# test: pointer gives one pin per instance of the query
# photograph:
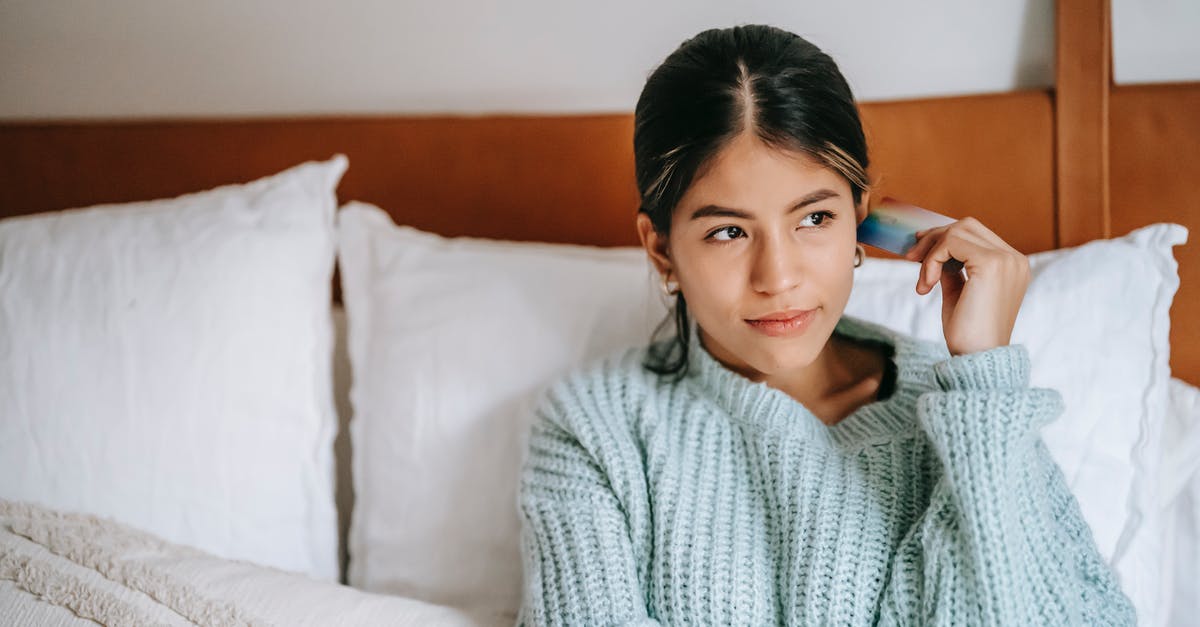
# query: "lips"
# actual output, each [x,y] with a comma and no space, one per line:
[783,323]
[780,316]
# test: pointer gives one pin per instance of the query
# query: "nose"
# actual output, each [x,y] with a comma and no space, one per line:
[775,269]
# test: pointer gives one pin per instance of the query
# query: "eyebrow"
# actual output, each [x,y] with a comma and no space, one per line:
[709,211]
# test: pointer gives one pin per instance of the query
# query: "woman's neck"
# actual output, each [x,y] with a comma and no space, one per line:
[845,375]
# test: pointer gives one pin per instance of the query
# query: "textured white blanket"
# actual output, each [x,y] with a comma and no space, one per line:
[74,569]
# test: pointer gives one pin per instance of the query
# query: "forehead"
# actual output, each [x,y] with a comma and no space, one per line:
[747,168]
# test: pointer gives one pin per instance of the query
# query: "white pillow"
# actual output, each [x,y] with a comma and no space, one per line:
[1181,504]
[1096,322]
[451,342]
[457,337]
[167,363]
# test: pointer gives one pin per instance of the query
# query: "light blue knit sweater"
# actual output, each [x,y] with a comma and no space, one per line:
[718,501]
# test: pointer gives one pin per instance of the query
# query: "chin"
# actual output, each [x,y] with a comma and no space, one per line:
[760,355]
[773,356]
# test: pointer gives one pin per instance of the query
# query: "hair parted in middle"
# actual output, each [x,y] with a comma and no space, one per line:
[717,85]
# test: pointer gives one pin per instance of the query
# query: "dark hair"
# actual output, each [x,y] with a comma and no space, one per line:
[707,92]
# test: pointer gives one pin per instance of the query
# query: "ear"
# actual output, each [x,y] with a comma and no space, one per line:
[654,243]
[860,212]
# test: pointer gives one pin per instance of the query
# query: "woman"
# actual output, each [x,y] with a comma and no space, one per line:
[776,461]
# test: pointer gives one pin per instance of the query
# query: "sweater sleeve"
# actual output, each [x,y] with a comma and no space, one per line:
[577,547]
[1003,541]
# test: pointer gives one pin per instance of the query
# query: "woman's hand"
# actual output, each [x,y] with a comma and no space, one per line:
[979,311]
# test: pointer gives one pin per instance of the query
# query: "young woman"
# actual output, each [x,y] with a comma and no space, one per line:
[777,461]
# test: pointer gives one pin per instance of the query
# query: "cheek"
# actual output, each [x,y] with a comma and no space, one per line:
[711,273]
[713,284]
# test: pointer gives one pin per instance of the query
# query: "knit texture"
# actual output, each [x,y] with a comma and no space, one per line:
[715,500]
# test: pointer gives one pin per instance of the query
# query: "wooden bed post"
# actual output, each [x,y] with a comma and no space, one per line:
[1083,81]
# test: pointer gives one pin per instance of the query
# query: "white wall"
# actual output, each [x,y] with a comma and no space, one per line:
[104,58]
[161,58]
[1156,41]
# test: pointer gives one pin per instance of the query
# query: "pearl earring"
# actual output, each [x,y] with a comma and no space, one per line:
[670,288]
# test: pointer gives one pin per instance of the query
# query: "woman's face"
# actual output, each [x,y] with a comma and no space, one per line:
[760,232]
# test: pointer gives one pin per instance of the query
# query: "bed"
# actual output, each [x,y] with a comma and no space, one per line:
[1047,170]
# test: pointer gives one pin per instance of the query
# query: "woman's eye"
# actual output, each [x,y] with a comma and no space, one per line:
[824,216]
[726,233]
[816,219]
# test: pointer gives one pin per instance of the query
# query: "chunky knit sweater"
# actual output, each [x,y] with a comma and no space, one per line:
[715,500]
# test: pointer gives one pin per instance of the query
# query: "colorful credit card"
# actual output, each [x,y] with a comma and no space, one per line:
[893,224]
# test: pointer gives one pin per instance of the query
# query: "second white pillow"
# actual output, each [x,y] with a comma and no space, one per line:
[451,343]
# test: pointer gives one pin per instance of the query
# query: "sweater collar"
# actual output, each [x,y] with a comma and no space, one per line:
[761,406]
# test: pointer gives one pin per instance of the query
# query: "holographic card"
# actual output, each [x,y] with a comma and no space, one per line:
[892,225]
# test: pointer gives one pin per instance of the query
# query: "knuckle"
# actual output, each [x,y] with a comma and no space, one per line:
[991,258]
[1016,263]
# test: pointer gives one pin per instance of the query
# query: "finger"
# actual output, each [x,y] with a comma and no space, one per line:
[925,239]
[952,285]
[937,234]
[919,251]
[952,248]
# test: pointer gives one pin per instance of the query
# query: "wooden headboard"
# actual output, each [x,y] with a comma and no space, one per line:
[1033,165]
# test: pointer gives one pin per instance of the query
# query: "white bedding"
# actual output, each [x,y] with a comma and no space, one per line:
[1181,502]
[74,569]
[62,569]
